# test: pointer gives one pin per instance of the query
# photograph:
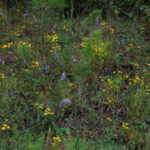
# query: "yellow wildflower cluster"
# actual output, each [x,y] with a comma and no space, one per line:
[148,92]
[135,64]
[112,31]
[83,44]
[125,126]
[48,111]
[138,46]
[70,84]
[103,23]
[131,45]
[116,11]
[5,126]
[109,119]
[101,51]
[26,70]
[117,72]
[56,47]
[35,64]
[8,45]
[53,38]
[136,80]
[113,84]
[22,44]
[148,65]
[2,75]
[56,140]
[39,106]
[18,33]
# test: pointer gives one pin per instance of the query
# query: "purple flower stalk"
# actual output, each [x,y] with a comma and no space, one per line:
[97,24]
[74,59]
[39,69]
[26,13]
[34,18]
[10,52]
[47,69]
[56,56]
[24,60]
[0,61]
[63,77]
[65,101]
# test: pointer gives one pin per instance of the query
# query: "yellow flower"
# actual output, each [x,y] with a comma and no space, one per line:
[148,65]
[51,51]
[131,45]
[2,76]
[109,119]
[103,23]
[83,44]
[56,140]
[109,101]
[48,111]
[112,31]
[26,70]
[125,126]
[64,27]
[70,84]
[5,126]
[116,11]
[103,90]
[35,64]
[4,46]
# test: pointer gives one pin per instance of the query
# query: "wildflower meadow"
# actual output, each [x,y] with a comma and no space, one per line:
[74,75]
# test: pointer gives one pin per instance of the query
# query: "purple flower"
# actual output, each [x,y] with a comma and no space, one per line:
[63,77]
[26,13]
[97,24]
[47,69]
[39,69]
[24,61]
[10,52]
[35,20]
[65,101]
[74,59]
[56,56]
[0,61]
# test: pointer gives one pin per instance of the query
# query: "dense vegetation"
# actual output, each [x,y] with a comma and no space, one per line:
[74,75]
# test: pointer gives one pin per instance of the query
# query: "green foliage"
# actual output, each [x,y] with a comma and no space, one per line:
[95,50]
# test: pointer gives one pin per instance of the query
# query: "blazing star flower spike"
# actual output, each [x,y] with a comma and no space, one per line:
[24,60]
[65,101]
[35,19]
[39,69]
[47,69]
[0,61]
[63,76]
[26,13]
[10,52]
[56,56]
